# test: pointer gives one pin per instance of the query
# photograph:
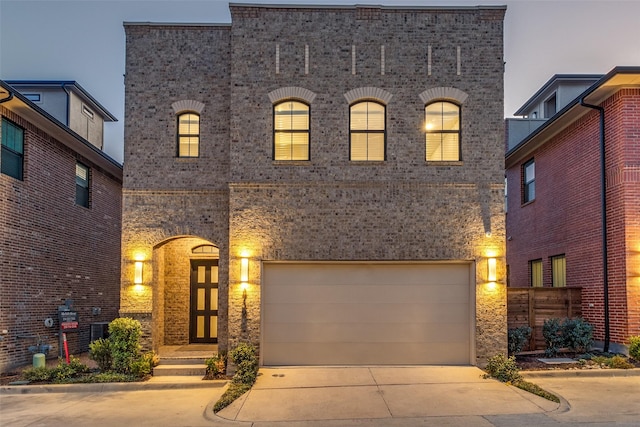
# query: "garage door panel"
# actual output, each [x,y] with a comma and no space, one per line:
[352,313]
[370,354]
[364,293]
[371,313]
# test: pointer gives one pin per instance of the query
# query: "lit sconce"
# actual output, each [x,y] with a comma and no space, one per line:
[244,270]
[491,270]
[137,276]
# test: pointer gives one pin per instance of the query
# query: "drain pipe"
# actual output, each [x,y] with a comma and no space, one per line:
[603,204]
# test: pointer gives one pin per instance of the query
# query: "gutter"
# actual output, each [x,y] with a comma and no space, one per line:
[603,206]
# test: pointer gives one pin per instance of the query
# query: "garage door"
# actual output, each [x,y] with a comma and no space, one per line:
[366,314]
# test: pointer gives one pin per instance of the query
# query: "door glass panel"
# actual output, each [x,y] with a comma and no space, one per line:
[200,327]
[201,299]
[201,272]
[213,329]
[214,274]
[214,299]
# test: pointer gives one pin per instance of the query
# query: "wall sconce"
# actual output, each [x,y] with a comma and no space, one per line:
[491,270]
[244,269]
[137,275]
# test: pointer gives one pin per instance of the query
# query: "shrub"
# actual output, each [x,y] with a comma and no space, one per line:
[552,333]
[518,337]
[38,374]
[62,373]
[245,357]
[124,337]
[216,366]
[634,347]
[577,334]
[613,362]
[503,369]
[100,351]
[143,366]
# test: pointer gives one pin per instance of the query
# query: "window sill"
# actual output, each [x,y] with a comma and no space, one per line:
[527,203]
[444,163]
[367,162]
[292,162]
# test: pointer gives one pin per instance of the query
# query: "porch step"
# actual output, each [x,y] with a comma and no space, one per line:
[181,366]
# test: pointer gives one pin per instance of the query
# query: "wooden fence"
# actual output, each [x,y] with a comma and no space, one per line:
[532,306]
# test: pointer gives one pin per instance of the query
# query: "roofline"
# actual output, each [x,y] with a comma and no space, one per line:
[174,24]
[363,6]
[110,165]
[523,148]
[64,83]
[549,83]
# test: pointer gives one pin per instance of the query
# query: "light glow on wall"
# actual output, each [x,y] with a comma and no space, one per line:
[491,269]
[138,270]
[244,270]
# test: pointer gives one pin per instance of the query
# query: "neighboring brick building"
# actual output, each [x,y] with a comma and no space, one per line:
[60,220]
[326,182]
[554,215]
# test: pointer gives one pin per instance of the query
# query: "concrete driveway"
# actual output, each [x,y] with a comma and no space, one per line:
[380,393]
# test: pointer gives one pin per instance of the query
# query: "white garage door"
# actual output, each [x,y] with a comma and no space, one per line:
[366,314]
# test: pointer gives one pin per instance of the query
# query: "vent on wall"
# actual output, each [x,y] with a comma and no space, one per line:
[99,330]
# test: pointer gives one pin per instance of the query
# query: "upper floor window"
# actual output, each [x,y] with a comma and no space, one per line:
[559,271]
[12,155]
[188,135]
[367,131]
[529,181]
[442,125]
[82,185]
[291,131]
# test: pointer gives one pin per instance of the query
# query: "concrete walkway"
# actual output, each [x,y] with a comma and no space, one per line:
[350,393]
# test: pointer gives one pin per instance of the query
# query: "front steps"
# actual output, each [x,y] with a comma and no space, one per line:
[181,366]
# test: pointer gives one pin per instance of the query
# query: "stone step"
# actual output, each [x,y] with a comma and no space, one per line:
[182,360]
[180,370]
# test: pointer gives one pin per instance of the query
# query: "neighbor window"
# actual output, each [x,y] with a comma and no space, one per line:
[442,126]
[82,185]
[550,107]
[188,135]
[12,156]
[33,97]
[559,271]
[535,267]
[291,131]
[529,181]
[367,131]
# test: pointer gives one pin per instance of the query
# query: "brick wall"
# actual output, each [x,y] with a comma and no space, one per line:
[52,250]
[565,217]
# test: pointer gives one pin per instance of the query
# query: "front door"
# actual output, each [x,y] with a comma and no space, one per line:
[203,325]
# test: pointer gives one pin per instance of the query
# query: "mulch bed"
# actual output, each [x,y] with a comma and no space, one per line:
[530,362]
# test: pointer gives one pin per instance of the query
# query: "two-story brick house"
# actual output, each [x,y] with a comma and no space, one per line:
[573,216]
[323,181]
[60,227]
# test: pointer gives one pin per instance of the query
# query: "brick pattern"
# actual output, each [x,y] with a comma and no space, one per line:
[52,250]
[328,208]
[565,217]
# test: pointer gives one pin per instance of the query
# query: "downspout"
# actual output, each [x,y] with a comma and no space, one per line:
[64,88]
[603,205]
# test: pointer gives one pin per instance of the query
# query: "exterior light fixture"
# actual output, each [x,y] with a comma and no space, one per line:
[137,275]
[491,269]
[244,270]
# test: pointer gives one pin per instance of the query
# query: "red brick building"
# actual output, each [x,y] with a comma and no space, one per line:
[60,225]
[557,234]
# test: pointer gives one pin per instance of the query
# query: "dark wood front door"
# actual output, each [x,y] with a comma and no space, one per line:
[203,326]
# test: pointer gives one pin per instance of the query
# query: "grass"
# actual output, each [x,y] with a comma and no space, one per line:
[536,389]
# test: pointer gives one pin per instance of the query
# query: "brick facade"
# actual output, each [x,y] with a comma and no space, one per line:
[565,217]
[51,249]
[328,208]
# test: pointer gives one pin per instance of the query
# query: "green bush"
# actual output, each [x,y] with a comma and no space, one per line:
[124,337]
[143,366]
[62,373]
[503,369]
[552,333]
[38,374]
[613,362]
[577,334]
[100,351]
[216,366]
[518,337]
[245,357]
[634,347]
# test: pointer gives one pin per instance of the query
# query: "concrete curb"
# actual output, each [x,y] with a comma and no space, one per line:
[110,387]
[593,373]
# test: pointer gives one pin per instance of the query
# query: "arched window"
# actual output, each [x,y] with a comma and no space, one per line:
[188,135]
[367,131]
[291,131]
[205,250]
[442,125]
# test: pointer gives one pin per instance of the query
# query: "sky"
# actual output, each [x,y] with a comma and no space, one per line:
[84,40]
